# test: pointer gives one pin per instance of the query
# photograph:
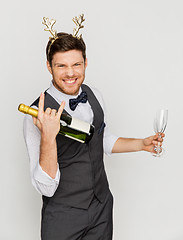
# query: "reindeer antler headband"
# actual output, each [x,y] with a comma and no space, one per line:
[78,21]
[49,27]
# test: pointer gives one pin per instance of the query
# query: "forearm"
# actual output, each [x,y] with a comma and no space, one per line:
[48,156]
[123,145]
[48,122]
[42,182]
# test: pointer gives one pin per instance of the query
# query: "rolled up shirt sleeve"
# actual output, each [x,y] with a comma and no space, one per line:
[109,141]
[43,183]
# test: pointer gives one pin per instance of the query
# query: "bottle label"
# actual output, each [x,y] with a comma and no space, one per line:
[80,125]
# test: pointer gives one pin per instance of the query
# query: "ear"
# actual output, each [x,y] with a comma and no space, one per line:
[49,67]
[86,62]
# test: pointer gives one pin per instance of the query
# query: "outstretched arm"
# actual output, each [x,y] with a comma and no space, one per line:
[148,144]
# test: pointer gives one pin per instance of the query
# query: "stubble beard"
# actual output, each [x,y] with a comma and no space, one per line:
[67,90]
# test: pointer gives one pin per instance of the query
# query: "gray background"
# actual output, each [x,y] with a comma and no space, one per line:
[135,55]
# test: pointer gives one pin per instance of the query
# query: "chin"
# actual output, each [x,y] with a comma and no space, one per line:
[73,91]
[70,90]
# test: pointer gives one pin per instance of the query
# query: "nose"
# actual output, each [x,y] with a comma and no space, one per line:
[70,72]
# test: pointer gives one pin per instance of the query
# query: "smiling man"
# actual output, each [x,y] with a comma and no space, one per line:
[77,202]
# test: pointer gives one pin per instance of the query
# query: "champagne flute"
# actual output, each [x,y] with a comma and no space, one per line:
[160,123]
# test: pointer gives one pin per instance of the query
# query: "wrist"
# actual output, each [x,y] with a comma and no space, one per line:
[47,139]
[141,145]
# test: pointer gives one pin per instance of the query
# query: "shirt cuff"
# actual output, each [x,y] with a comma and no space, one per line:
[42,177]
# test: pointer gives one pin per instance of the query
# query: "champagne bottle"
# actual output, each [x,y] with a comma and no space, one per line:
[69,126]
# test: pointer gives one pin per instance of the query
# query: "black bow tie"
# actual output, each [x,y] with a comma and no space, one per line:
[74,101]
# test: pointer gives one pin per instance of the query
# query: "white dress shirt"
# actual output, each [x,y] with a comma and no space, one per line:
[43,183]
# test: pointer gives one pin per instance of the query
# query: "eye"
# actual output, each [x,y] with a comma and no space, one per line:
[77,64]
[61,66]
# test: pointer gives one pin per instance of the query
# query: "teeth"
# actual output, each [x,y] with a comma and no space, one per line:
[70,81]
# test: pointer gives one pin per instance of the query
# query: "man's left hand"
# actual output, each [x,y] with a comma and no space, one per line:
[151,142]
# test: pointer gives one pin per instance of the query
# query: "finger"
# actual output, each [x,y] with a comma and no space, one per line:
[157,143]
[160,139]
[36,122]
[53,112]
[159,135]
[48,111]
[60,110]
[162,135]
[41,104]
[153,149]
[156,136]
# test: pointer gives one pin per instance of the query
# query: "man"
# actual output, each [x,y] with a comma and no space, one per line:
[77,202]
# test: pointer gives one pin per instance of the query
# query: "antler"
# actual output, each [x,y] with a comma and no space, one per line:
[49,24]
[78,21]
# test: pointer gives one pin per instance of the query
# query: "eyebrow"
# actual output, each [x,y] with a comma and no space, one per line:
[57,64]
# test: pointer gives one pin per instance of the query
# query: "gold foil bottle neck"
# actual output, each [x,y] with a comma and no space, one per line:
[28,110]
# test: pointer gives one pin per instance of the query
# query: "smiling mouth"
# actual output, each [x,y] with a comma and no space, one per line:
[70,81]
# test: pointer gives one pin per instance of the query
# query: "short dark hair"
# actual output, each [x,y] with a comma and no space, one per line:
[63,43]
